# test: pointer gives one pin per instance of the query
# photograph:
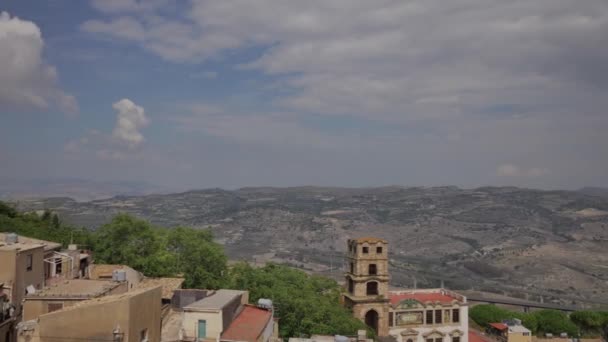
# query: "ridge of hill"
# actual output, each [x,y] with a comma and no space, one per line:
[499,239]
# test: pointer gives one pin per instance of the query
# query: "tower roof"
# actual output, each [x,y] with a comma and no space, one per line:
[369,240]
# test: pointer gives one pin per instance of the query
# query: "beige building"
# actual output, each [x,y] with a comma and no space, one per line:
[116,272]
[7,318]
[511,331]
[68,293]
[430,315]
[134,316]
[367,282]
[222,315]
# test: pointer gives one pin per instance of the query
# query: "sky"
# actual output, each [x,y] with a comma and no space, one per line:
[232,93]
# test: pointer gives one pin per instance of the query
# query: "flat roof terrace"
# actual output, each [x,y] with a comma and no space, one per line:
[75,288]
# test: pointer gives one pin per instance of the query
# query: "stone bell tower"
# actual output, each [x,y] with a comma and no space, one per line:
[367,282]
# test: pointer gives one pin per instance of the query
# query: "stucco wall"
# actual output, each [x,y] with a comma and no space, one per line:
[15,275]
[190,323]
[144,313]
[519,337]
[360,310]
[444,328]
[34,307]
[131,314]
[7,271]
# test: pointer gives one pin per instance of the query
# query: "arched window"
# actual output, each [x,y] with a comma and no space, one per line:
[372,269]
[372,288]
[351,286]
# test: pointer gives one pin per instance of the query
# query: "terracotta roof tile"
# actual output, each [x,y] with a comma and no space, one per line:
[476,337]
[499,326]
[248,325]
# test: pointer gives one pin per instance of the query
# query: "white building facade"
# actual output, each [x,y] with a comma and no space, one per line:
[429,315]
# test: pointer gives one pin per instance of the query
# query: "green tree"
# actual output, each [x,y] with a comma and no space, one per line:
[7,210]
[590,323]
[134,242]
[198,257]
[487,313]
[555,322]
[305,304]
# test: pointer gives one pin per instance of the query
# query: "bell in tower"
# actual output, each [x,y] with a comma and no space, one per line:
[367,282]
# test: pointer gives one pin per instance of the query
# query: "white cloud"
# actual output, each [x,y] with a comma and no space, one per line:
[130,119]
[27,82]
[508,170]
[511,170]
[261,128]
[123,143]
[394,60]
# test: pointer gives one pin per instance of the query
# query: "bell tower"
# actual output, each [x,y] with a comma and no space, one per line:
[367,282]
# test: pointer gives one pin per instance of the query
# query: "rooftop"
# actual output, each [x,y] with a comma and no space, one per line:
[370,240]
[518,329]
[248,325]
[427,295]
[216,301]
[102,300]
[104,270]
[76,288]
[169,285]
[499,326]
[475,336]
[26,243]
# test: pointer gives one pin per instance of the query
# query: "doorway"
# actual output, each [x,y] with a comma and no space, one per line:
[371,319]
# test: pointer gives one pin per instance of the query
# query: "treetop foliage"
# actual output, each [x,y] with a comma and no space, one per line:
[580,323]
[305,304]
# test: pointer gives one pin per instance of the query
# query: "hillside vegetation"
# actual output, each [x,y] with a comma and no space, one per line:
[525,243]
[580,323]
[305,304]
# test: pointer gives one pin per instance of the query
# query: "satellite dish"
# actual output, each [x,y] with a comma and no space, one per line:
[31,289]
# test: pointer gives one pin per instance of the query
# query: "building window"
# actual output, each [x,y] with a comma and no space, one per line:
[390,319]
[410,340]
[456,315]
[29,261]
[379,250]
[429,317]
[352,268]
[143,335]
[372,288]
[429,340]
[526,334]
[438,319]
[351,285]
[439,339]
[365,250]
[372,269]
[54,307]
[455,338]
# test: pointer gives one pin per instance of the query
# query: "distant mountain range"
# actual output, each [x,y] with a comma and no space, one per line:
[77,189]
[594,191]
[500,239]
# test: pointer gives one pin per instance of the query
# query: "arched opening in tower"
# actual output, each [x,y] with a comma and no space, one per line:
[372,288]
[371,319]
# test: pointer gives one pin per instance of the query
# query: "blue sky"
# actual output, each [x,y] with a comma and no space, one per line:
[195,94]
